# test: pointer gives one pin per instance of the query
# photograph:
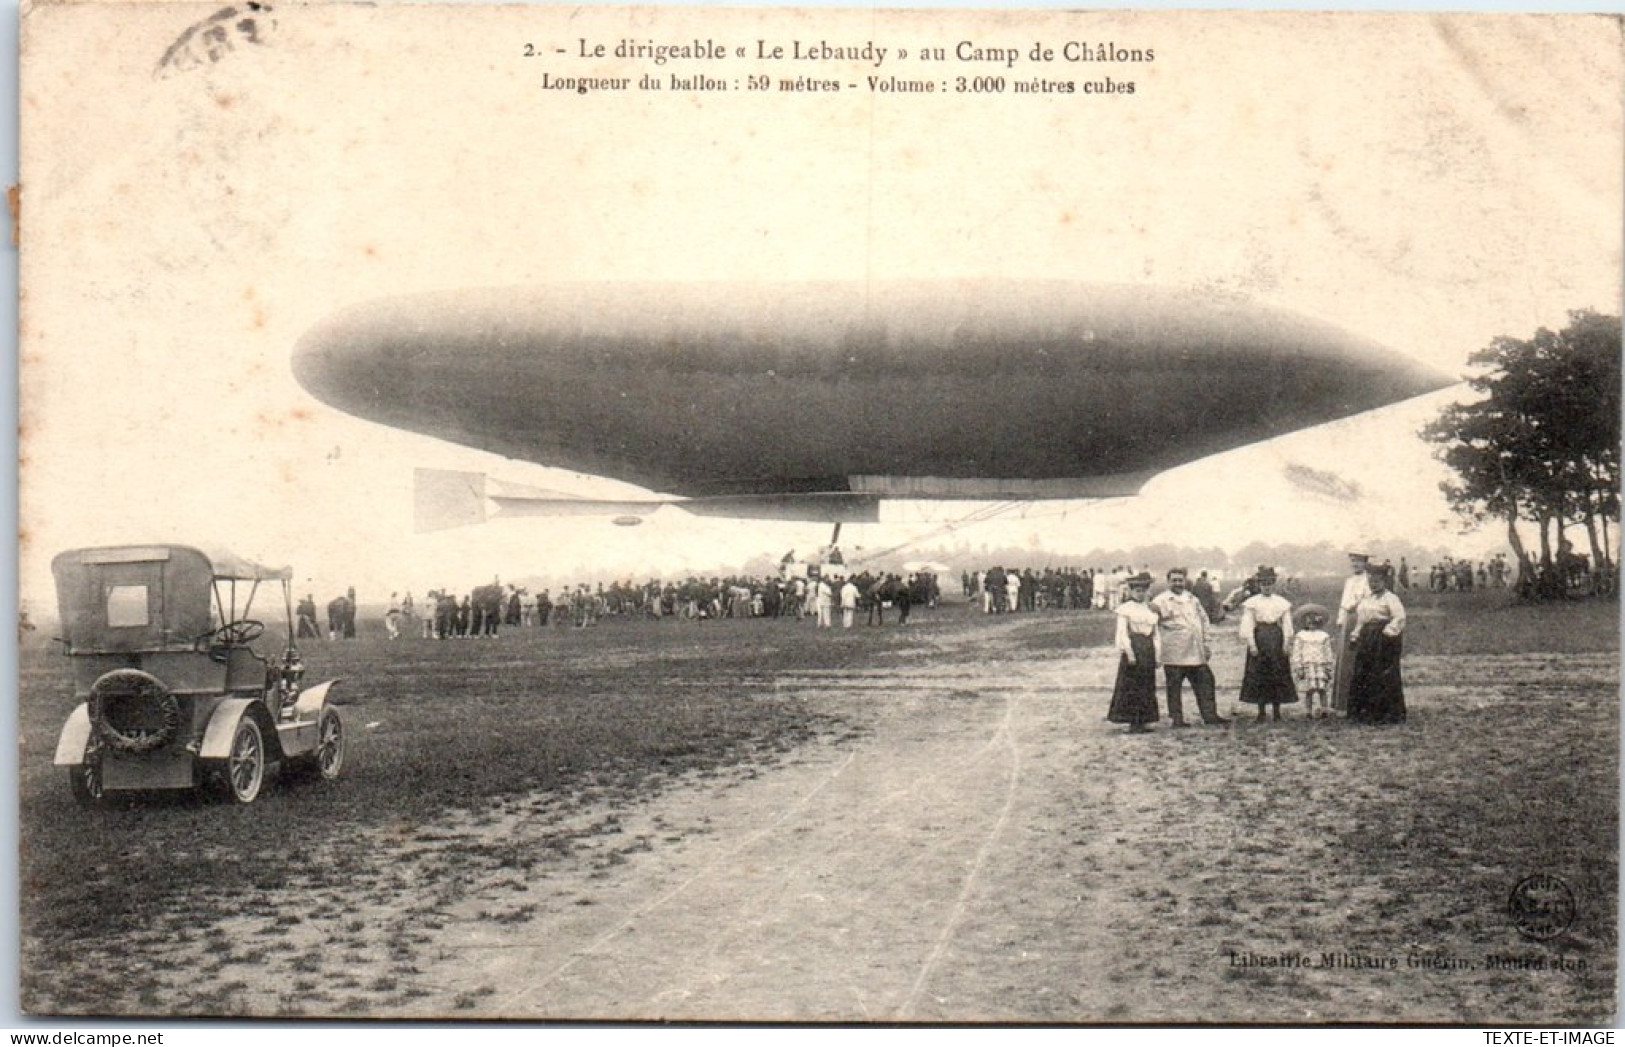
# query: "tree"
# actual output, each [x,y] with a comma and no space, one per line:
[1542,447]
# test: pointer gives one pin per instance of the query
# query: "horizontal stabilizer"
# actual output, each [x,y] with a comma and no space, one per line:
[548,503]
[833,507]
[817,507]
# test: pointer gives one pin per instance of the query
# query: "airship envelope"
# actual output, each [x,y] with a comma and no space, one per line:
[753,395]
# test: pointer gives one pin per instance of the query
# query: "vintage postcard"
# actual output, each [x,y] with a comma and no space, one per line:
[640,514]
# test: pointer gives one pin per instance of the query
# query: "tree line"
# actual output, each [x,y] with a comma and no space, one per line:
[1540,450]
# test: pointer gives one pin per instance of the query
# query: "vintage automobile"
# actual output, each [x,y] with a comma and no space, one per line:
[172,694]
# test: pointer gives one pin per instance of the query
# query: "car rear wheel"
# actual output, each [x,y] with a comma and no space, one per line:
[242,772]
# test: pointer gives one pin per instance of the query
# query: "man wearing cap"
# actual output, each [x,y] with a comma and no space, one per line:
[1355,588]
[1182,626]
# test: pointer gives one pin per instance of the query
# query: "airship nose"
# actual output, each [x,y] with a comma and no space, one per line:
[319,363]
[349,363]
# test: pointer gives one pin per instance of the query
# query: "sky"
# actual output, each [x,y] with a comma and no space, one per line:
[1429,183]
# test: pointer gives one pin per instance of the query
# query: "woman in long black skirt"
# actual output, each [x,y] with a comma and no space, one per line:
[1266,629]
[1134,698]
[1376,689]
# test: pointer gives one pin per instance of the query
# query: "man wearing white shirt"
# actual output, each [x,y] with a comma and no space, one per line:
[849,603]
[1355,588]
[824,602]
[1182,627]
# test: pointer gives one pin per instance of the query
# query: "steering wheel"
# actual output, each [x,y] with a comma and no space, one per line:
[233,634]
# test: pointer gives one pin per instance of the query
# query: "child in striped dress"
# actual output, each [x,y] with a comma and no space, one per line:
[1312,659]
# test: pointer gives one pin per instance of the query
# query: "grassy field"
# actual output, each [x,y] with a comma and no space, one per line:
[1510,764]
[582,716]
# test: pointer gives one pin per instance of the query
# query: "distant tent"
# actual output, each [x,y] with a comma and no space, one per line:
[789,557]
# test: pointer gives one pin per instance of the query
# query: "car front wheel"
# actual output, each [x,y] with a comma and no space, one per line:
[327,759]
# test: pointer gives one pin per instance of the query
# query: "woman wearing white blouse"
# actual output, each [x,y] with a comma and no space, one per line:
[1134,698]
[1266,629]
[1376,690]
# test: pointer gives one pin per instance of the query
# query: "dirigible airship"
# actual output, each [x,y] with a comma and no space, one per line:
[815,401]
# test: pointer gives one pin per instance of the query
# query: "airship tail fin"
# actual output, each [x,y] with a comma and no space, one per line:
[445,498]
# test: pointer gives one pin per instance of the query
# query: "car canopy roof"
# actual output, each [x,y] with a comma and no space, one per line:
[229,565]
[223,563]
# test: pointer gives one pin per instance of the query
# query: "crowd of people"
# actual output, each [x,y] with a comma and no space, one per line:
[1005,590]
[1452,575]
[341,611]
[1356,674]
[485,610]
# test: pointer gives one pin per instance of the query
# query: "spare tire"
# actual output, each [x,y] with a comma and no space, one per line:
[133,712]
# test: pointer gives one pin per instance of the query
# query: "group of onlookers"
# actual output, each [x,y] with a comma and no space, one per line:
[340,617]
[487,609]
[1452,575]
[1355,673]
[1003,590]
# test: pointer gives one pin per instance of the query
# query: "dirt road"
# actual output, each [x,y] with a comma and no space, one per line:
[839,886]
